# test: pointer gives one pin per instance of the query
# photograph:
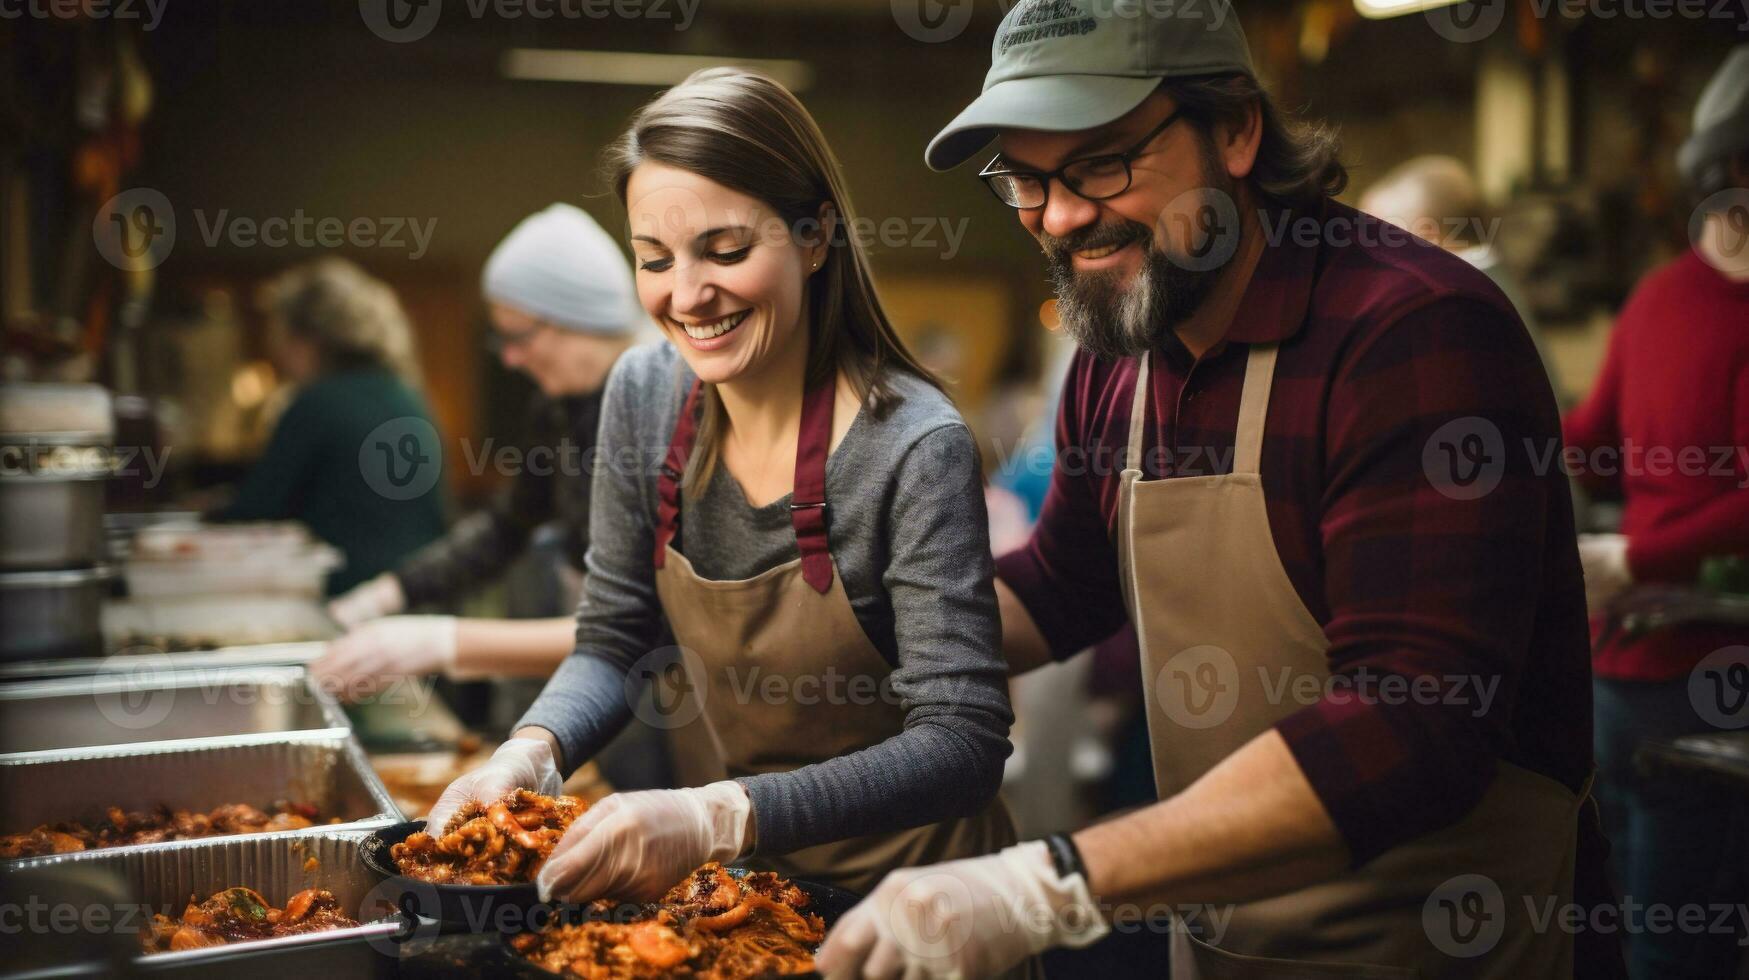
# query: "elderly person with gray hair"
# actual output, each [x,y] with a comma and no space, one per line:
[562,308]
[341,338]
[1436,198]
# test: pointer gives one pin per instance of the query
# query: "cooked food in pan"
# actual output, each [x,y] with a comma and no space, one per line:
[708,926]
[490,844]
[238,915]
[162,824]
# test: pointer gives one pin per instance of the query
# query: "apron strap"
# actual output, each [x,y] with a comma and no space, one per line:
[1253,408]
[807,504]
[1132,459]
[673,465]
[807,509]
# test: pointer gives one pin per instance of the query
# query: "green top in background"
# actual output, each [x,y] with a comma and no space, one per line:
[356,458]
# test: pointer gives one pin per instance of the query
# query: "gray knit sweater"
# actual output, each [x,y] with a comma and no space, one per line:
[909,536]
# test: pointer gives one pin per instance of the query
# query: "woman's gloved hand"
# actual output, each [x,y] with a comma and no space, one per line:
[632,847]
[379,597]
[520,763]
[384,649]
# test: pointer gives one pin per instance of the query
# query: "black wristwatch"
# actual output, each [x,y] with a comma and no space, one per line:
[1065,855]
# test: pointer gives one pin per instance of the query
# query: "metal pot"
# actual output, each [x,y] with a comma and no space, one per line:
[53,613]
[50,520]
[55,456]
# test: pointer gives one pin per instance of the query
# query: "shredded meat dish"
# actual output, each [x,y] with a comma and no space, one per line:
[122,828]
[490,844]
[710,927]
[238,915]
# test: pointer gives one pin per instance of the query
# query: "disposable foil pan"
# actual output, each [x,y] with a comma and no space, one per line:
[164,880]
[154,705]
[127,660]
[326,771]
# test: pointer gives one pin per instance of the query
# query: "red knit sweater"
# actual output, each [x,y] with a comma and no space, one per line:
[1668,423]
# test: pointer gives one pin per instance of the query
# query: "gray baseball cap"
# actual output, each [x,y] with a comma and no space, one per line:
[1721,117]
[1066,65]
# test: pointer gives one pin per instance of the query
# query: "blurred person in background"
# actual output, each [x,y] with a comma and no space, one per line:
[1436,198]
[559,294]
[1676,378]
[341,338]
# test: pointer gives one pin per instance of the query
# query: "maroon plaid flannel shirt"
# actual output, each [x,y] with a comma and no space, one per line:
[1386,350]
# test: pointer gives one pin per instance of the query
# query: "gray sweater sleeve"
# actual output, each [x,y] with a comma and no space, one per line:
[619,618]
[951,679]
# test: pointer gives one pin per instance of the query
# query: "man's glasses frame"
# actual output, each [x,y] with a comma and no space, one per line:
[1095,178]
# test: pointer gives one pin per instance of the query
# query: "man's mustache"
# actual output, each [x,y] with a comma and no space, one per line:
[1058,250]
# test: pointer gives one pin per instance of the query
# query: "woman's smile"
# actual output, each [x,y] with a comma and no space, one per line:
[714,333]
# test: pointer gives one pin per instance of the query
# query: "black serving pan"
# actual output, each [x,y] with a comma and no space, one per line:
[459,908]
[825,901]
[510,909]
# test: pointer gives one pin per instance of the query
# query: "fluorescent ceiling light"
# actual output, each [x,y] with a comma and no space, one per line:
[639,68]
[1380,9]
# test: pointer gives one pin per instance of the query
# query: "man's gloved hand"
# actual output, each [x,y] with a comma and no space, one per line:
[381,596]
[520,763]
[1605,560]
[634,846]
[970,918]
[383,649]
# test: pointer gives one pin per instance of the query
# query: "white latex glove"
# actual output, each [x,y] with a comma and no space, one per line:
[381,596]
[970,918]
[520,763]
[383,649]
[634,846]
[1605,559]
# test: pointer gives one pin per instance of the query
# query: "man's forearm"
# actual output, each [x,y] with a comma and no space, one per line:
[1249,828]
[1023,645]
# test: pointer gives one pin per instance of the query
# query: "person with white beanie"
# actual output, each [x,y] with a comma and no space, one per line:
[562,306]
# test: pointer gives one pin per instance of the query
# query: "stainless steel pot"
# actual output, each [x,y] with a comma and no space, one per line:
[52,613]
[50,520]
[55,455]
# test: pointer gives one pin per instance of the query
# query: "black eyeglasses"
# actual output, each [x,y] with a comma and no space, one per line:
[1094,178]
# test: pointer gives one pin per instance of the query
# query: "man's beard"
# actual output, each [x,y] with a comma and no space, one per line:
[1112,320]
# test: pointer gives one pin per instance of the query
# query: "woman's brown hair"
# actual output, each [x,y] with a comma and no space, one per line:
[746,132]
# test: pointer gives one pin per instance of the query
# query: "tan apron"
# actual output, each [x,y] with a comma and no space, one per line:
[1223,634]
[787,677]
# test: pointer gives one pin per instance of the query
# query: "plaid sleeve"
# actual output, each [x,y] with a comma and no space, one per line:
[1432,528]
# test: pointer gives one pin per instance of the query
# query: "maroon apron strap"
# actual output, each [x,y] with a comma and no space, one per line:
[673,465]
[807,509]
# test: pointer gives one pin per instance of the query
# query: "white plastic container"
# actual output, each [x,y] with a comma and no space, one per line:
[266,559]
[304,575]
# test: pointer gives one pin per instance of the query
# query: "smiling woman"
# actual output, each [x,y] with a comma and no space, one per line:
[728,172]
[815,537]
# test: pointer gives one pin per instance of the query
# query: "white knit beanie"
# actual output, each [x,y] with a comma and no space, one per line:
[559,265]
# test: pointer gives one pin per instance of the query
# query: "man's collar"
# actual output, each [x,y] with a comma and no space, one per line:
[1275,302]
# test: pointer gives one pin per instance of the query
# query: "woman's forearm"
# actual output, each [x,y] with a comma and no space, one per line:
[513,647]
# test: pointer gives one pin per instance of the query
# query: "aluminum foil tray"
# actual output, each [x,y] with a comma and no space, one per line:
[327,771]
[154,705]
[163,879]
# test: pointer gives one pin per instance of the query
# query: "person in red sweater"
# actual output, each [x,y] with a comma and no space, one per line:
[1668,426]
